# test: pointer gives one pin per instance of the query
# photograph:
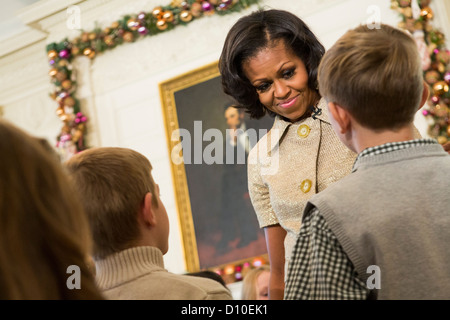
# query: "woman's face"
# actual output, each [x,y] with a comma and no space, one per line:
[281,81]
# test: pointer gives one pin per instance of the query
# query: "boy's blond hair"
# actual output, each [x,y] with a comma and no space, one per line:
[112,183]
[374,74]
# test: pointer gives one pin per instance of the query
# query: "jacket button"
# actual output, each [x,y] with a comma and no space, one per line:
[306,186]
[303,131]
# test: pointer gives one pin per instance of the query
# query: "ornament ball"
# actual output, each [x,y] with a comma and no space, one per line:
[52,54]
[133,24]
[128,36]
[447,77]
[440,88]
[427,13]
[157,12]
[66,84]
[161,24]
[185,16]
[53,72]
[442,139]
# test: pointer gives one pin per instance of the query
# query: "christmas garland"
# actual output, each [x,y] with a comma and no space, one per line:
[416,16]
[129,28]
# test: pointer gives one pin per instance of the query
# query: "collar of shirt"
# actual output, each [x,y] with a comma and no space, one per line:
[392,146]
[280,125]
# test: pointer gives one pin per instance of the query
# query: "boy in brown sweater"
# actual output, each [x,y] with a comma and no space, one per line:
[131,229]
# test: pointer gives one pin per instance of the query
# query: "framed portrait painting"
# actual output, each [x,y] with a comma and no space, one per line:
[209,140]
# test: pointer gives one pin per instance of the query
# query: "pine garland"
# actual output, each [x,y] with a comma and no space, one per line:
[129,28]
[416,17]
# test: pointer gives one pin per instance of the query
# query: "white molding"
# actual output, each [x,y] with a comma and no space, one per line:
[21,40]
[43,9]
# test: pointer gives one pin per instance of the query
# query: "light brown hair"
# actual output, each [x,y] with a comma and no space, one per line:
[112,183]
[43,228]
[374,74]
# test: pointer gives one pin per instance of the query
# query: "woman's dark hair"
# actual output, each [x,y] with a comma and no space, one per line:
[257,31]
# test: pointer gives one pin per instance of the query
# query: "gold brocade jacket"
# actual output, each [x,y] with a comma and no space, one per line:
[290,164]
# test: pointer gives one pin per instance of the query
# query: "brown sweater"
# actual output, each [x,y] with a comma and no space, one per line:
[138,274]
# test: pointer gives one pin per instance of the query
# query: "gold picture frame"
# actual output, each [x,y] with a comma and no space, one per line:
[198,97]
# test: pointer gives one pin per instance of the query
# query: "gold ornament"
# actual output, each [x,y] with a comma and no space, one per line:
[92,36]
[63,117]
[161,24]
[185,16]
[66,84]
[59,111]
[76,136]
[63,63]
[52,54]
[176,3]
[443,56]
[115,25]
[53,72]
[109,40]
[440,88]
[168,16]
[418,25]
[448,131]
[442,139]
[439,66]
[128,36]
[426,13]
[441,110]
[133,24]
[69,101]
[157,12]
[424,3]
[85,37]
[61,76]
[432,76]
[196,9]
[75,51]
[89,53]
[408,12]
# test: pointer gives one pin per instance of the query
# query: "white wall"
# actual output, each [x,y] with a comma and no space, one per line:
[119,89]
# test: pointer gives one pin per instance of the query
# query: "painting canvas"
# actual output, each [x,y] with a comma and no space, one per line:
[209,147]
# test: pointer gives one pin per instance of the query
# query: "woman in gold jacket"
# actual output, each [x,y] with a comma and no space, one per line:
[269,65]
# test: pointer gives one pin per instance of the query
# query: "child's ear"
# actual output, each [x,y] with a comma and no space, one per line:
[425,94]
[340,116]
[147,212]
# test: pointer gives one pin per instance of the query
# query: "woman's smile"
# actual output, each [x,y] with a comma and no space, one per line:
[280,79]
[288,103]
